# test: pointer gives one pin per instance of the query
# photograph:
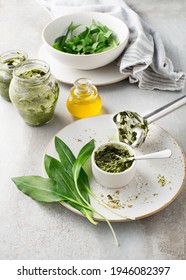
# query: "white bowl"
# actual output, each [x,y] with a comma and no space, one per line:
[58,27]
[113,180]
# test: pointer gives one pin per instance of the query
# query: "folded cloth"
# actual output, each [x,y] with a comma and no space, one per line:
[144,60]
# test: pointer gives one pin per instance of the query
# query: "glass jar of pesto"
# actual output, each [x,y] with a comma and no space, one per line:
[34,92]
[8,61]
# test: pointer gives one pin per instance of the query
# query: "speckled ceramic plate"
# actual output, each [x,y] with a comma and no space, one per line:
[156,183]
[108,74]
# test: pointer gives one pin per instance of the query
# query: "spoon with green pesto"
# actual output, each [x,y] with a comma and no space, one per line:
[133,128]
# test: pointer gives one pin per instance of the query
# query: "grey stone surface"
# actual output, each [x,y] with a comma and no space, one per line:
[31,230]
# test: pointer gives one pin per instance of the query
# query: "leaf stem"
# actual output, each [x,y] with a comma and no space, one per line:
[107,206]
[95,211]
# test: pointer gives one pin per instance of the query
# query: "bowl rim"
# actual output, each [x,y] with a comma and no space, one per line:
[113,143]
[84,55]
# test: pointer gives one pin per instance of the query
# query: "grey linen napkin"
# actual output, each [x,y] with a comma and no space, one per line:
[144,60]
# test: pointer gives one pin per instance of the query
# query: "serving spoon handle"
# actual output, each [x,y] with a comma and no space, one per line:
[157,155]
[166,109]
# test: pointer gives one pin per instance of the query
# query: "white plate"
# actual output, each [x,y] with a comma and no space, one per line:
[108,74]
[156,184]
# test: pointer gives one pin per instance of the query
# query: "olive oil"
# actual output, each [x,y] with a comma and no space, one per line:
[83,100]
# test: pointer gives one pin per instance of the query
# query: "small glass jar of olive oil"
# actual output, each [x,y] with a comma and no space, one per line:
[83,100]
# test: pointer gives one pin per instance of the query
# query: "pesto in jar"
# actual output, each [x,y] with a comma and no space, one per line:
[32,74]
[113,158]
[8,61]
[34,92]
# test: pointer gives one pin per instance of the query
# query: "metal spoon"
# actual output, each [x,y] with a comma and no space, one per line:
[135,127]
[157,155]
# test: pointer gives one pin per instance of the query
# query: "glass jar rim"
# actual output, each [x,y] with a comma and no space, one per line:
[33,64]
[84,81]
[83,85]
[15,53]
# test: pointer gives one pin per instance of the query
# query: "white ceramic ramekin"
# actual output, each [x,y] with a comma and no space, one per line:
[113,180]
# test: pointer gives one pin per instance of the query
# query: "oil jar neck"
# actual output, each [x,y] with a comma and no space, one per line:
[83,87]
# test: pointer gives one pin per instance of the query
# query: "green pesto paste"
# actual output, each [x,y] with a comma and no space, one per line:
[34,97]
[132,128]
[33,74]
[113,158]
[6,70]
[14,61]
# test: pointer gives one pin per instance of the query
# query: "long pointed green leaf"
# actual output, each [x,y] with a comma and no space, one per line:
[42,189]
[67,158]
[38,188]
[56,171]
[82,157]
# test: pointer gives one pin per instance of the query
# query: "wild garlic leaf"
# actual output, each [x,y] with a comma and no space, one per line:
[82,157]
[67,158]
[56,171]
[39,188]
[84,42]
[60,184]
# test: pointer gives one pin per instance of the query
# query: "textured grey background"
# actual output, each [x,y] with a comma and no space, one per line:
[31,230]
